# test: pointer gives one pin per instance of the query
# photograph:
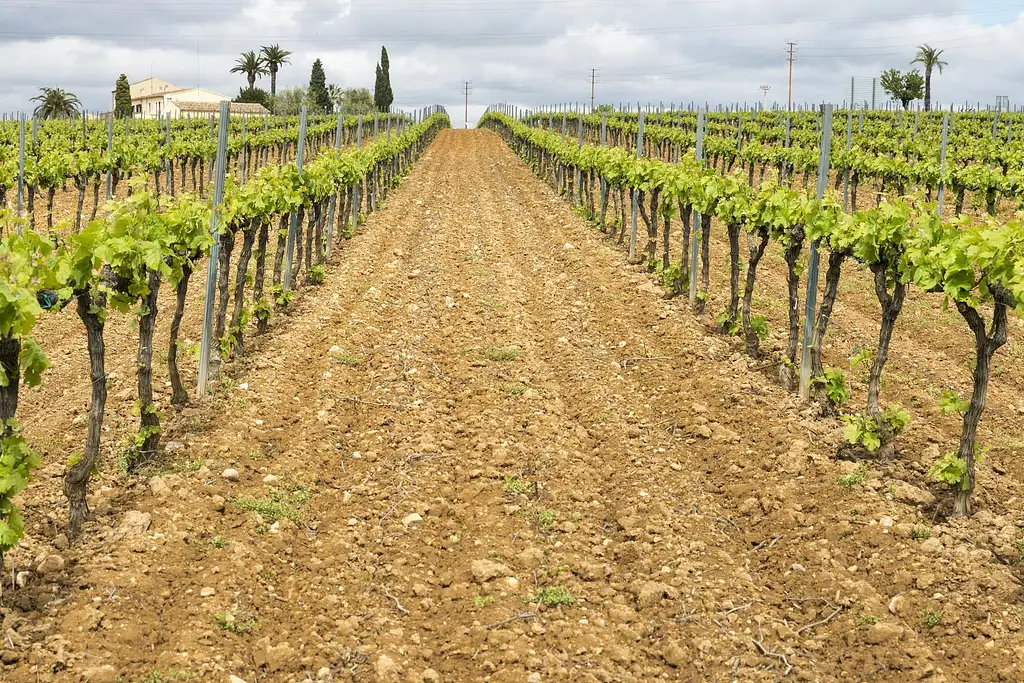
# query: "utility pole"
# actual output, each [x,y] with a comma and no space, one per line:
[593,83]
[467,88]
[791,58]
[765,89]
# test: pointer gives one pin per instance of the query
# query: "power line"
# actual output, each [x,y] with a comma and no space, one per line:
[791,59]
[467,87]
[593,83]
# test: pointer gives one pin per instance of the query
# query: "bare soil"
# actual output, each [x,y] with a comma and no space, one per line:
[518,464]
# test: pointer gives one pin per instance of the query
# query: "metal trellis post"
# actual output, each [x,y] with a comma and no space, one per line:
[811,296]
[206,345]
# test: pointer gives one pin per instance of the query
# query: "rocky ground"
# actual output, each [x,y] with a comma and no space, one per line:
[487,449]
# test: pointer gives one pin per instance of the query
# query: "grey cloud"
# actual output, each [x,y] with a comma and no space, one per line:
[528,52]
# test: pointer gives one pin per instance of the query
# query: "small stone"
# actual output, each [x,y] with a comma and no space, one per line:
[159,488]
[133,524]
[531,557]
[335,349]
[323,673]
[235,679]
[9,657]
[353,521]
[218,503]
[86,618]
[430,676]
[622,614]
[414,274]
[51,564]
[533,678]
[385,667]
[485,570]
[101,674]
[21,579]
[448,303]
[884,632]
[174,446]
[910,494]
[270,479]
[887,522]
[568,246]
[207,592]
[798,568]
[412,519]
[931,546]
[230,474]
[897,605]
[345,499]
[651,593]
[675,655]
[60,542]
[282,657]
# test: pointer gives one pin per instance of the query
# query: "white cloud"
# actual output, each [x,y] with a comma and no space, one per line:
[527,52]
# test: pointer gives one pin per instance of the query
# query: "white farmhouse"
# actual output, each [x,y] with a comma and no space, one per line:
[155,98]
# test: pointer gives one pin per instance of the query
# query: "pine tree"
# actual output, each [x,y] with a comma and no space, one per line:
[318,94]
[122,98]
[382,95]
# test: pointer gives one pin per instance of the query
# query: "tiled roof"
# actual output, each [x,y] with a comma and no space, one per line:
[214,107]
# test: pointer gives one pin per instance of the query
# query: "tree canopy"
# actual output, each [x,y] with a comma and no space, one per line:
[903,87]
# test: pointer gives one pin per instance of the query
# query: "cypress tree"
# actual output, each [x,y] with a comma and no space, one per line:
[318,89]
[382,95]
[122,98]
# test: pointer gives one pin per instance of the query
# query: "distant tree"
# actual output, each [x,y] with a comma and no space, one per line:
[352,101]
[604,108]
[254,96]
[904,88]
[290,100]
[122,98]
[275,58]
[252,65]
[382,95]
[55,103]
[317,92]
[929,58]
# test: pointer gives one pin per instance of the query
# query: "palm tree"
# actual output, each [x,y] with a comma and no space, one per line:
[250,65]
[928,57]
[275,58]
[55,103]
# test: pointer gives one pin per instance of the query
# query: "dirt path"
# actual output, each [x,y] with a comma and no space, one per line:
[493,454]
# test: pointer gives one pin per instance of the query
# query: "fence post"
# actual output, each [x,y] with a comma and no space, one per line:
[334,195]
[21,164]
[110,148]
[636,192]
[942,160]
[293,225]
[241,153]
[811,296]
[170,159]
[846,175]
[206,345]
[695,230]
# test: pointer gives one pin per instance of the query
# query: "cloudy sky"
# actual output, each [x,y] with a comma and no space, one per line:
[526,52]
